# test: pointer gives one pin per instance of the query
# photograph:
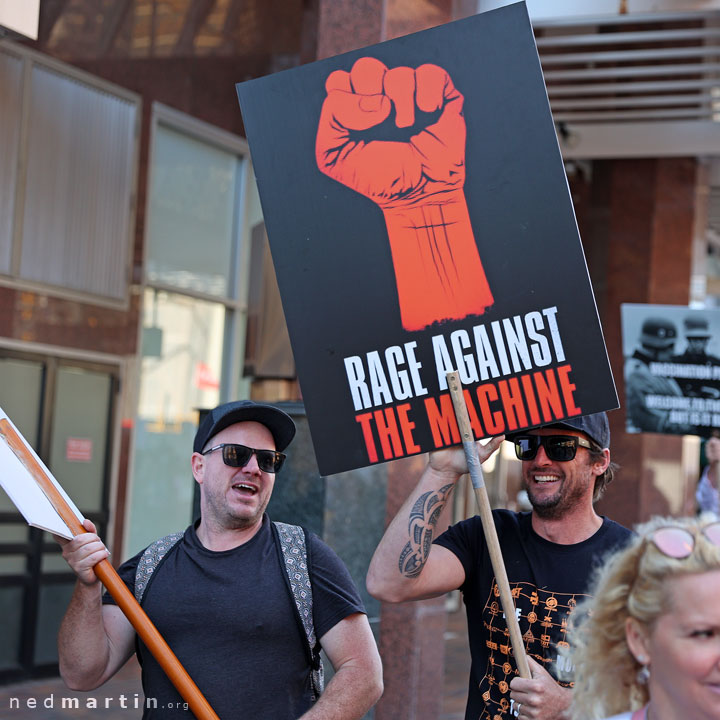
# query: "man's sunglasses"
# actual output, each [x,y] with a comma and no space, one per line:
[678,543]
[234,455]
[558,448]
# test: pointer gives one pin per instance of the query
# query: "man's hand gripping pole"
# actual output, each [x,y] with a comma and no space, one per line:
[115,586]
[491,538]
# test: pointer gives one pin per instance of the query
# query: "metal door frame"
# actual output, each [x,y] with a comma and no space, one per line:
[32,580]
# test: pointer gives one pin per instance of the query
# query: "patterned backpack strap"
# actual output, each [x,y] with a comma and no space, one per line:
[150,559]
[295,554]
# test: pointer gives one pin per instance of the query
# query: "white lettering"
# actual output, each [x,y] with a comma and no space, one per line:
[465,362]
[550,313]
[356,379]
[378,382]
[442,360]
[414,366]
[500,345]
[487,366]
[517,343]
[540,348]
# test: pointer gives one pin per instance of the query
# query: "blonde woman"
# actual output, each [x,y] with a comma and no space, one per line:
[647,643]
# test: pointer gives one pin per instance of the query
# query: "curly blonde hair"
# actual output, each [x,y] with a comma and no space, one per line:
[631,583]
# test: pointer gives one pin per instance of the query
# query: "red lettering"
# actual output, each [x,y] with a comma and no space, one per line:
[568,389]
[365,421]
[443,423]
[406,425]
[512,403]
[493,420]
[530,399]
[548,396]
[388,431]
[472,415]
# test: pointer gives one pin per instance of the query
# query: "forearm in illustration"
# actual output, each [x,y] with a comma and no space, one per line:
[421,528]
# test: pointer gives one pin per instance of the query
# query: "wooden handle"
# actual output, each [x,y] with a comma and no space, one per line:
[115,586]
[491,538]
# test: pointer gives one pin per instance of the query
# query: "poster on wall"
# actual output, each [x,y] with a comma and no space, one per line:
[420,221]
[672,369]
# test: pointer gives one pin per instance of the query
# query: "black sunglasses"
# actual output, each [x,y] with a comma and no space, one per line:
[558,448]
[234,455]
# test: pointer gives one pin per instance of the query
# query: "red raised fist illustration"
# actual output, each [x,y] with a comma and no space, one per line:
[397,136]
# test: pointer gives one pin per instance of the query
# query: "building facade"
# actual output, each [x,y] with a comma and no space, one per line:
[137,289]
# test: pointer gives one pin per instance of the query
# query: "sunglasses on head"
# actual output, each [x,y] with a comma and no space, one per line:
[678,543]
[558,448]
[234,455]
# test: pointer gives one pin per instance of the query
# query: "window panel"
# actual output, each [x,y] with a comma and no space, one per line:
[10,112]
[20,396]
[182,351]
[193,203]
[80,424]
[78,194]
[10,625]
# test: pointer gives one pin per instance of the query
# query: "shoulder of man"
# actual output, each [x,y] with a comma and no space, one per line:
[150,559]
[615,534]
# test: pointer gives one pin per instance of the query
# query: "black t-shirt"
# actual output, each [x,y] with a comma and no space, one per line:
[547,581]
[228,617]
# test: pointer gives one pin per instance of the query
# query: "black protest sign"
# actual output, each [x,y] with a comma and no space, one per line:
[672,369]
[420,221]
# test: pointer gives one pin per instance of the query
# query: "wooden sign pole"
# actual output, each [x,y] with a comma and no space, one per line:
[115,586]
[491,538]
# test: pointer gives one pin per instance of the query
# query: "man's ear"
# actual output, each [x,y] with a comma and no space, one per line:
[197,462]
[637,639]
[602,465]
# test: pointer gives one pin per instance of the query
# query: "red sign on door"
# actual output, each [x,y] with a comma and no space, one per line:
[78,450]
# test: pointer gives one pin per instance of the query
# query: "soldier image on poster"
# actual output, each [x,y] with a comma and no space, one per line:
[657,344]
[697,336]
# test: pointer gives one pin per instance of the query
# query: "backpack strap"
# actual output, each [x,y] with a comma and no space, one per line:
[293,546]
[150,559]
[291,542]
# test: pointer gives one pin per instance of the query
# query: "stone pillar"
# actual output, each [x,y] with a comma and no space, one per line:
[412,637]
[639,227]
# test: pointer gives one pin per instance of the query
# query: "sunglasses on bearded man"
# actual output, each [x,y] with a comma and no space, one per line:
[234,455]
[558,448]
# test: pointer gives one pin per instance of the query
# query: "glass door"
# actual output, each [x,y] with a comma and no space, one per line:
[64,409]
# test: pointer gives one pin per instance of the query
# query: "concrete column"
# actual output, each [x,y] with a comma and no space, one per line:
[639,234]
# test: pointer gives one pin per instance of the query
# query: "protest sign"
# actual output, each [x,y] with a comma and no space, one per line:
[672,369]
[420,222]
[25,493]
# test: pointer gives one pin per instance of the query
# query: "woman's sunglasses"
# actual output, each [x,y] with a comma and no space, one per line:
[234,455]
[678,543]
[558,448]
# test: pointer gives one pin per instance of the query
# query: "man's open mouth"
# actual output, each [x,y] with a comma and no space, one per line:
[244,487]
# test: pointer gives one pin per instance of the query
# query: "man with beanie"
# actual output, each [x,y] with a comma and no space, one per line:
[549,553]
[221,597]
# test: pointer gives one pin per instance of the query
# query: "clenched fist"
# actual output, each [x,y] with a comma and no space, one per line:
[392,173]
[413,167]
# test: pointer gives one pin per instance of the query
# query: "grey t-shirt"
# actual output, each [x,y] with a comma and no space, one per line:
[229,618]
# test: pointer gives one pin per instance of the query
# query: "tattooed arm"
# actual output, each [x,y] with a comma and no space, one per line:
[406,565]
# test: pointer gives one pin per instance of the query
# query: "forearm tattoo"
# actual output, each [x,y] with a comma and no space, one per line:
[421,527]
